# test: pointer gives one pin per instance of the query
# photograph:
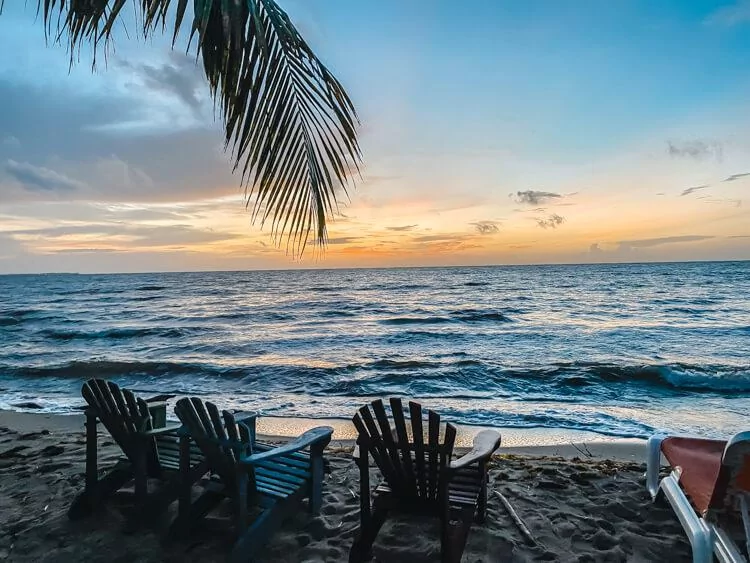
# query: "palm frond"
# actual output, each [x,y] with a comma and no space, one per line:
[289,123]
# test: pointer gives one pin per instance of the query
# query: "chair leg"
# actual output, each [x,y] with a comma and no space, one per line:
[252,539]
[140,474]
[696,529]
[454,534]
[368,531]
[240,502]
[653,464]
[188,518]
[83,505]
[186,485]
[482,501]
[316,480]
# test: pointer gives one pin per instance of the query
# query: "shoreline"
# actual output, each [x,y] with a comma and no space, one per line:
[532,442]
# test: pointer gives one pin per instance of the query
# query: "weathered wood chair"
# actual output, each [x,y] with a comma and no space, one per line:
[149,445]
[414,458]
[250,474]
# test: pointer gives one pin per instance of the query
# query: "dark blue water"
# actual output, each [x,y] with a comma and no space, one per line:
[615,349]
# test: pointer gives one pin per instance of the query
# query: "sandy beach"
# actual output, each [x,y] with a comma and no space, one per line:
[582,502]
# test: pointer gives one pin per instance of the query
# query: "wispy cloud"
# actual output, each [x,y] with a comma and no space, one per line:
[551,222]
[10,141]
[124,236]
[649,242]
[343,240]
[734,177]
[695,149]
[486,227]
[534,197]
[181,78]
[734,14]
[401,229]
[442,238]
[38,178]
[725,201]
[689,191]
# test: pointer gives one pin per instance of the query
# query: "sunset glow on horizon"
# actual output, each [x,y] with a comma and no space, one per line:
[544,133]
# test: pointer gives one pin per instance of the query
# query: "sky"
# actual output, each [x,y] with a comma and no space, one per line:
[496,132]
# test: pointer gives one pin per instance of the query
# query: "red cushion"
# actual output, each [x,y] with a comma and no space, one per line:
[700,461]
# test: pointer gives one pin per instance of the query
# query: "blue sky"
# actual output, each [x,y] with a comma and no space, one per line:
[612,109]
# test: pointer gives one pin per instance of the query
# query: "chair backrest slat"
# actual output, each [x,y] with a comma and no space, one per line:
[365,441]
[403,441]
[122,409]
[415,413]
[188,415]
[245,436]
[433,445]
[448,441]
[387,436]
[121,413]
[200,410]
[376,443]
[132,404]
[105,398]
[216,436]
[221,433]
[411,467]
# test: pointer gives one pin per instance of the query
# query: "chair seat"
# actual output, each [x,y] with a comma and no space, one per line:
[463,490]
[700,463]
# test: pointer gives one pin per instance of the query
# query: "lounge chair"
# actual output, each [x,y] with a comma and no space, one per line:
[249,473]
[418,474]
[709,482]
[149,445]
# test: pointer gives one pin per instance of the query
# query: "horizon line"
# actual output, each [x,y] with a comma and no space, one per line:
[568,264]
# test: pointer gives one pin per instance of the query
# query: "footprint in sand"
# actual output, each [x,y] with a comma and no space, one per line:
[14,453]
[33,435]
[51,451]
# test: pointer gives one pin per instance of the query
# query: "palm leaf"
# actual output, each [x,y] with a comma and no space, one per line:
[289,123]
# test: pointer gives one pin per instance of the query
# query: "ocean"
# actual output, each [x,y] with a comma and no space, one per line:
[620,350]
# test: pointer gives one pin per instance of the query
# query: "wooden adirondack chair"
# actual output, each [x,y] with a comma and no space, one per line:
[149,445]
[250,474]
[419,475]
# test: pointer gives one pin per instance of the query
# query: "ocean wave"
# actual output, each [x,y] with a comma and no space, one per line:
[151,288]
[687,311]
[118,333]
[85,369]
[446,377]
[603,423]
[416,320]
[685,377]
[459,316]
[324,289]
[13,317]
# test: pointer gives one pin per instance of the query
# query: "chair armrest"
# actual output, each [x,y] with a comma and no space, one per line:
[485,444]
[163,430]
[738,438]
[242,416]
[320,435]
[160,398]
